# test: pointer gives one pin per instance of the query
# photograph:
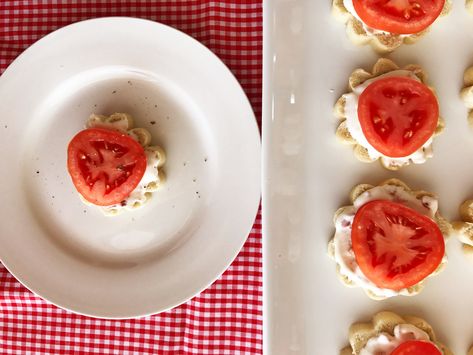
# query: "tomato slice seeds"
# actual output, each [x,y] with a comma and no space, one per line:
[395,246]
[398,115]
[105,165]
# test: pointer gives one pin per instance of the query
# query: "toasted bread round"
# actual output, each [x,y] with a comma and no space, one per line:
[125,122]
[358,77]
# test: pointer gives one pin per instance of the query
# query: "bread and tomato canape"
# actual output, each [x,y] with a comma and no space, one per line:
[389,240]
[391,334]
[390,115]
[387,24]
[113,165]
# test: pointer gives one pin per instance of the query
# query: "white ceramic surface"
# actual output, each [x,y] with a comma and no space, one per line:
[307,175]
[154,258]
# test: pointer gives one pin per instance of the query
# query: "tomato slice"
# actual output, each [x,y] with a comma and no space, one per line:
[105,165]
[395,246]
[398,115]
[399,16]
[416,347]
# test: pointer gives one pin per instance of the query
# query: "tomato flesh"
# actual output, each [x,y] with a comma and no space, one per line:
[105,165]
[416,347]
[399,16]
[395,246]
[398,115]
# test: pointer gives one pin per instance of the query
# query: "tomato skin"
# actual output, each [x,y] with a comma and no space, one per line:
[398,115]
[395,246]
[399,16]
[105,165]
[416,347]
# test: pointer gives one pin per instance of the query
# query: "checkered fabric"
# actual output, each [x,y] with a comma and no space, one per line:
[224,319]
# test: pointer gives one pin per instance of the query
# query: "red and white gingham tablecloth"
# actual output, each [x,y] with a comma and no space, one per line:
[224,319]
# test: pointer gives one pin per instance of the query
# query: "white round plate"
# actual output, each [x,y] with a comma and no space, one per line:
[149,260]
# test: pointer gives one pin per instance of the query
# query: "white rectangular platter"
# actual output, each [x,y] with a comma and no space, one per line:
[308,175]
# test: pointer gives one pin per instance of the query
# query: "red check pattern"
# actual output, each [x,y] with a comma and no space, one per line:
[224,319]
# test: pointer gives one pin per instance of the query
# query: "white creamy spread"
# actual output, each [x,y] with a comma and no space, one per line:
[344,254]
[385,344]
[370,31]
[151,175]
[354,127]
